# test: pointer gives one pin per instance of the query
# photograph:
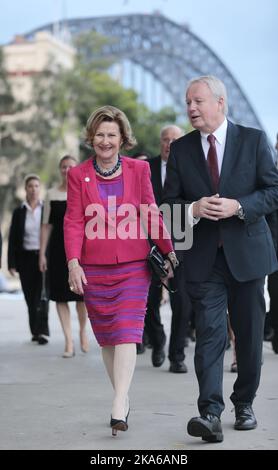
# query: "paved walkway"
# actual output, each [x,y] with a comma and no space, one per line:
[48,402]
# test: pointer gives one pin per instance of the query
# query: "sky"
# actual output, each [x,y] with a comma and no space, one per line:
[242,33]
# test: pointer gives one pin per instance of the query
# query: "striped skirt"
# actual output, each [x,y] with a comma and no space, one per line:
[116,299]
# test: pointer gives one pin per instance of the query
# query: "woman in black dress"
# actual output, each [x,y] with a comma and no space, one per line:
[53,258]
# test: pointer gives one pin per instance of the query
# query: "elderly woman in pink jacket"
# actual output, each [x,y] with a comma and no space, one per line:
[106,247]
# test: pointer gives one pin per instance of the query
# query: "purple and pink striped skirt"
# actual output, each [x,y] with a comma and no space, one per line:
[116,299]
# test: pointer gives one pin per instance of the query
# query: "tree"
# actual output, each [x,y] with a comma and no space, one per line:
[12,146]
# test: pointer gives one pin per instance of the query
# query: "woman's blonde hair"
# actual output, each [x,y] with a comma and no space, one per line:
[110,114]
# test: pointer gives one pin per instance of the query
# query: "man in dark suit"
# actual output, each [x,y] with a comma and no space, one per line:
[180,303]
[232,249]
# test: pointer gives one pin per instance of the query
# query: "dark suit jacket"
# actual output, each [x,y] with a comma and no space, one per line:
[155,166]
[249,175]
[15,245]
[16,234]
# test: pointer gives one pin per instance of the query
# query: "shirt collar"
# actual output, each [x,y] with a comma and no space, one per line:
[27,205]
[219,133]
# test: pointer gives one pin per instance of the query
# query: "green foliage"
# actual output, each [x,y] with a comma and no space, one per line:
[7,102]
[63,100]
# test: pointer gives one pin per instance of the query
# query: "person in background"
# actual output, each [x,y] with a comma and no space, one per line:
[273,282]
[224,176]
[140,156]
[0,249]
[23,255]
[179,300]
[53,259]
[104,263]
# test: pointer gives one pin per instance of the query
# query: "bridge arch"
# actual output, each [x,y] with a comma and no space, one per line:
[170,52]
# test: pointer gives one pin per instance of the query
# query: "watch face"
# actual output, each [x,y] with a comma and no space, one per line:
[240,213]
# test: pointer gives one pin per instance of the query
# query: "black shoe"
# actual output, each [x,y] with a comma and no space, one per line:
[178,367]
[140,348]
[158,357]
[208,427]
[245,418]
[42,340]
[35,338]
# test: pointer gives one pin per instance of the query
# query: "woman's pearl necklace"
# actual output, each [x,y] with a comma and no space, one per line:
[108,172]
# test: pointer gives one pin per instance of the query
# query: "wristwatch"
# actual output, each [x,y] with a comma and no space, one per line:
[174,260]
[240,212]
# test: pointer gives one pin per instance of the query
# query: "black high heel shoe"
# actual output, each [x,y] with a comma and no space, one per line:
[118,425]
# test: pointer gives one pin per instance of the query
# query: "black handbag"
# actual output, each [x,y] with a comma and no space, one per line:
[157,262]
[157,265]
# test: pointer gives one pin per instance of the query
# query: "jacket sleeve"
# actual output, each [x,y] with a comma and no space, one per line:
[74,220]
[265,199]
[12,242]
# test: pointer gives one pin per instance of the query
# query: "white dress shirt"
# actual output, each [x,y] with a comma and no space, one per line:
[220,135]
[32,228]
[163,171]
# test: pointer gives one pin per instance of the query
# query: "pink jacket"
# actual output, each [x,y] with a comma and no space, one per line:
[85,212]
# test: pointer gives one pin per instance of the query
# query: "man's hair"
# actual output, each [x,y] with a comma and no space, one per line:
[170,126]
[215,85]
[31,176]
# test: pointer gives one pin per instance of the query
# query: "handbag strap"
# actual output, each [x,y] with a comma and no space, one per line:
[168,288]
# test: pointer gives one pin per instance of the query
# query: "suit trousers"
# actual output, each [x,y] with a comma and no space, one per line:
[181,313]
[153,325]
[273,295]
[31,282]
[247,314]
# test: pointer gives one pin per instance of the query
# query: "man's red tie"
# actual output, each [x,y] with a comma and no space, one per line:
[213,163]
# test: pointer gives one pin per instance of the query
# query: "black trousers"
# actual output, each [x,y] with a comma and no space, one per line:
[181,313]
[247,314]
[31,282]
[153,325]
[273,295]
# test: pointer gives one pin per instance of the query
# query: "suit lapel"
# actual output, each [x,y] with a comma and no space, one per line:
[230,154]
[22,218]
[156,175]
[89,177]
[127,167]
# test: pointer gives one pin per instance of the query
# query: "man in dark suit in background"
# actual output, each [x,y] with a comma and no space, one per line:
[180,304]
[225,173]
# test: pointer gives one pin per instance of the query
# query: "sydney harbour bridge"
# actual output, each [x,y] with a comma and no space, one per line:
[169,52]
